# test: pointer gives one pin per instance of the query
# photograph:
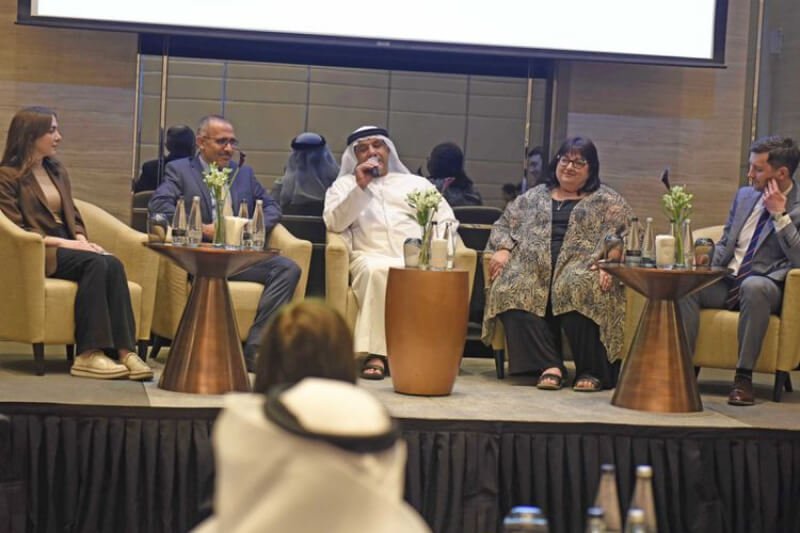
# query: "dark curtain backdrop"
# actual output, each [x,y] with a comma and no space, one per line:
[151,470]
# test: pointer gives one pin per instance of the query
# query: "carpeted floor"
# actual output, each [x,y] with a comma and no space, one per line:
[478,395]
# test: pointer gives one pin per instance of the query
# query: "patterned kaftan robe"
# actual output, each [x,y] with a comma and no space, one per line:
[525,283]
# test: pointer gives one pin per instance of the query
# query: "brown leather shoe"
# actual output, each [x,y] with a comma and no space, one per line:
[742,392]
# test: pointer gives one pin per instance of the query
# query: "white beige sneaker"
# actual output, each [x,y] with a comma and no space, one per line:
[139,371]
[97,365]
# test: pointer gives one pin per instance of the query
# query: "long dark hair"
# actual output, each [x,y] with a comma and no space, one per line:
[586,148]
[27,126]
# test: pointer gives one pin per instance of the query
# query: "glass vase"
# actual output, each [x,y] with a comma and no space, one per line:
[219,222]
[676,229]
[425,249]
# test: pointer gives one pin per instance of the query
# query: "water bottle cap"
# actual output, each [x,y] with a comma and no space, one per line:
[635,516]
[644,471]
[595,512]
[528,510]
[608,468]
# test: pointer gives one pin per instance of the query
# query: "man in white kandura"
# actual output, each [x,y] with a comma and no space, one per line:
[367,205]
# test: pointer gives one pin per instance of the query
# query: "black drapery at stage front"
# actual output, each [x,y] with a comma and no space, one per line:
[151,470]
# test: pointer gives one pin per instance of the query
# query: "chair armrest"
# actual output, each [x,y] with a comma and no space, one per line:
[295,249]
[127,244]
[22,280]
[789,337]
[337,272]
[487,257]
[466,259]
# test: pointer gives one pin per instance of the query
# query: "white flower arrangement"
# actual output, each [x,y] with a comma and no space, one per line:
[425,202]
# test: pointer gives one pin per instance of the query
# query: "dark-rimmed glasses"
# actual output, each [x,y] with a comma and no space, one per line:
[577,164]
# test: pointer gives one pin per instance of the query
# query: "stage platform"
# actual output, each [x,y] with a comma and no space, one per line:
[127,456]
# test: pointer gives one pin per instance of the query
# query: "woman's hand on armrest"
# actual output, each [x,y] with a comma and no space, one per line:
[498,262]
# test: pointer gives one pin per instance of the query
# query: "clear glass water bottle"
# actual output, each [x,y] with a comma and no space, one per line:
[648,245]
[450,239]
[633,244]
[643,497]
[257,229]
[607,498]
[688,243]
[247,236]
[635,522]
[595,521]
[194,232]
[179,224]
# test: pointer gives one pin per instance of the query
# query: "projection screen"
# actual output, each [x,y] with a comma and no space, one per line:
[652,31]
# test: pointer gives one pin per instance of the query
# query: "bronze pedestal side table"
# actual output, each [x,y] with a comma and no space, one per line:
[206,354]
[658,374]
[426,327]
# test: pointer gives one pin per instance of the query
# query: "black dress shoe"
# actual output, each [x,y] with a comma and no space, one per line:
[742,392]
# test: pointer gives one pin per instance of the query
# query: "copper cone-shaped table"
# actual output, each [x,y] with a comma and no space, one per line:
[426,327]
[658,374]
[206,354]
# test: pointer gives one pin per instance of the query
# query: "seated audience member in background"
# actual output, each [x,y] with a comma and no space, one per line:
[304,339]
[309,172]
[510,193]
[216,143]
[35,194]
[321,455]
[760,244]
[534,171]
[367,204]
[180,144]
[446,168]
[543,278]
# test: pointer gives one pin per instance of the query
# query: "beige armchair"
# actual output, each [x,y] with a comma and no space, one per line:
[340,295]
[717,344]
[173,288]
[40,310]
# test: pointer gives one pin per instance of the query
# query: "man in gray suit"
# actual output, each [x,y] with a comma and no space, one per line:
[760,244]
[216,143]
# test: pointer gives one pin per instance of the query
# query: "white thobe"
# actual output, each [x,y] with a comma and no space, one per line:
[375,222]
[271,480]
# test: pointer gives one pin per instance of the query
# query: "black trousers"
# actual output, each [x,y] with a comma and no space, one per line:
[280,276]
[103,311]
[534,344]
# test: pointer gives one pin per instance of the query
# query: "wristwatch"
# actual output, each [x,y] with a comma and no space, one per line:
[777,216]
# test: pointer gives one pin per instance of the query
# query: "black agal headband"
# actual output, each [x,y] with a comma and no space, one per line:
[369,132]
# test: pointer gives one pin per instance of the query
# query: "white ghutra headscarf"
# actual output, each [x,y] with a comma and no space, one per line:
[349,161]
[321,455]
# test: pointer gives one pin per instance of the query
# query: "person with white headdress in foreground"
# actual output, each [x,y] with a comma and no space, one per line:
[367,205]
[322,455]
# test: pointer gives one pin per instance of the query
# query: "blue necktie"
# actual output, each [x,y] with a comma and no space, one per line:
[747,263]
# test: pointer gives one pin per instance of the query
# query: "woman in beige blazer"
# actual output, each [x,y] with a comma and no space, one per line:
[35,194]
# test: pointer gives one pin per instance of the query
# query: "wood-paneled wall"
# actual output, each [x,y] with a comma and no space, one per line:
[89,79]
[270,103]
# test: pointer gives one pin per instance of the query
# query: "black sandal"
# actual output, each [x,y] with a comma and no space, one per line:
[550,381]
[378,371]
[595,385]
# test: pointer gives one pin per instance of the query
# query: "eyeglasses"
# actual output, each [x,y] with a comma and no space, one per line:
[577,164]
[225,141]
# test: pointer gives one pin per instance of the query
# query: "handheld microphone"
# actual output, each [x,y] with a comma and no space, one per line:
[375,171]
